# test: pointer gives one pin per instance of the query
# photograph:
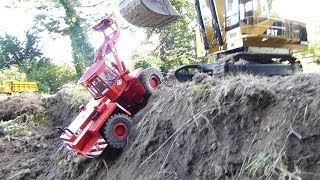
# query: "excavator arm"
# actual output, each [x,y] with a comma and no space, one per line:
[159,13]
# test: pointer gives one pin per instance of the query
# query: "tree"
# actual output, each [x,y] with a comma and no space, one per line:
[82,51]
[49,76]
[13,51]
[145,60]
[13,72]
[24,61]
[270,3]
[177,41]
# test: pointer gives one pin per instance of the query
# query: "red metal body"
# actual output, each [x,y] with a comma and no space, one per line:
[114,88]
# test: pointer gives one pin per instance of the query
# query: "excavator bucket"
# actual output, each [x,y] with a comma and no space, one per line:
[148,13]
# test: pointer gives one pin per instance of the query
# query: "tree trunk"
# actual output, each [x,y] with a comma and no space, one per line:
[82,51]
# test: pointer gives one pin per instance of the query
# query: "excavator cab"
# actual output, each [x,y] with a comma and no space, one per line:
[148,13]
[244,11]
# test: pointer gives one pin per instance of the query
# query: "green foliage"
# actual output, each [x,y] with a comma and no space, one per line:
[23,61]
[200,89]
[11,128]
[258,165]
[82,51]
[41,120]
[264,165]
[78,95]
[13,72]
[145,61]
[270,4]
[13,51]
[177,41]
[49,76]
[314,51]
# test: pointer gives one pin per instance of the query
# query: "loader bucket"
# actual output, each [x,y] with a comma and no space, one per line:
[148,13]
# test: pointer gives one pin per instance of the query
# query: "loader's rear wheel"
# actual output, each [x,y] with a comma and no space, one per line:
[117,130]
[151,79]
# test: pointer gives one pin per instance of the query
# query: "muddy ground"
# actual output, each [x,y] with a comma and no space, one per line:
[241,127]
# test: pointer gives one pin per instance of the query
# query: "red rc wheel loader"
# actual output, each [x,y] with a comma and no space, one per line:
[117,93]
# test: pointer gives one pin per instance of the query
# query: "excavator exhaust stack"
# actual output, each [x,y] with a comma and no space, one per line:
[148,13]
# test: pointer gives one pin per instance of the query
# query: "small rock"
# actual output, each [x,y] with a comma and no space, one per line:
[49,135]
[25,165]
[39,171]
[289,88]
[44,145]
[219,172]
[2,148]
[32,160]
[214,146]
[30,134]
[199,77]
[42,139]
[17,144]
[22,174]
[257,119]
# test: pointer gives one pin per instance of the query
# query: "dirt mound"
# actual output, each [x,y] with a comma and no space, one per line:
[32,149]
[238,127]
[243,127]
[24,104]
[63,106]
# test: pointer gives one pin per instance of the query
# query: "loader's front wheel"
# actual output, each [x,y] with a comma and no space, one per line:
[117,130]
[150,78]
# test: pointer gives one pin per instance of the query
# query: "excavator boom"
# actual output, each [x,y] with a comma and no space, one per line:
[148,13]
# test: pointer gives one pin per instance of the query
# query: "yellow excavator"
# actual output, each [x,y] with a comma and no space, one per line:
[242,35]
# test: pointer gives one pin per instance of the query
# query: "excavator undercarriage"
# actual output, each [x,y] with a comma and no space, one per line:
[241,36]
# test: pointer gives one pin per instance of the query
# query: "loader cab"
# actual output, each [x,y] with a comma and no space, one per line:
[99,80]
[243,12]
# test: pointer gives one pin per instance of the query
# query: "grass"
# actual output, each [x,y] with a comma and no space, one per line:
[258,164]
[201,91]
[59,159]
[41,120]
[78,95]
[263,165]
[11,128]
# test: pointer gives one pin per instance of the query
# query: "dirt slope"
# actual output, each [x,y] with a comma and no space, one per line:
[237,127]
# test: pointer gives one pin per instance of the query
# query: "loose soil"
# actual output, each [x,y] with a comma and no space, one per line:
[240,127]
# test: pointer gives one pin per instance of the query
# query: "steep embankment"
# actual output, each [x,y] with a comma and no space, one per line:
[237,127]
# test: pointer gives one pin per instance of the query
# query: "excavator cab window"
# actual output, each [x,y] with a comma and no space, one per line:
[246,11]
[254,9]
[232,14]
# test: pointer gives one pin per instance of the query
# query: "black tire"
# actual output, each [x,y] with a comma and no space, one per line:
[111,130]
[150,79]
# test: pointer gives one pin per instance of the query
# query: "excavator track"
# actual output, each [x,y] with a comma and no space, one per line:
[243,62]
[258,64]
